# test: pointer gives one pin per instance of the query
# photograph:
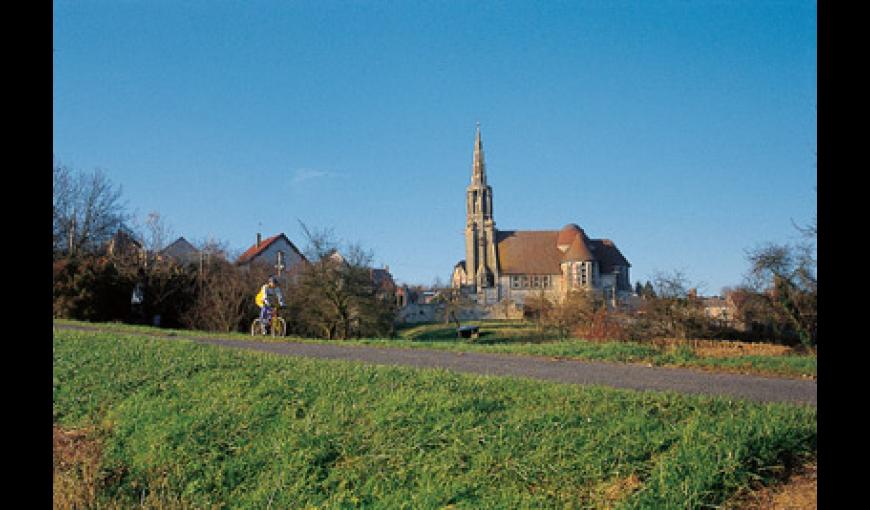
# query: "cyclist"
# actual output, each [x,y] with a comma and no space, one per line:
[269,294]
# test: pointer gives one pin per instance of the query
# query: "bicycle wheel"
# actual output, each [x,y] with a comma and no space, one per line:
[257,328]
[279,327]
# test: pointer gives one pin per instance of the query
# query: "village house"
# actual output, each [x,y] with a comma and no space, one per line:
[276,252]
[381,278]
[124,246]
[181,251]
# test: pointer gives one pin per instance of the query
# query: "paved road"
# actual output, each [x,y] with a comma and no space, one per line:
[617,375]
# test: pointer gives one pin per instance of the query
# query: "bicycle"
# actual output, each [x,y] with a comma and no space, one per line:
[275,324]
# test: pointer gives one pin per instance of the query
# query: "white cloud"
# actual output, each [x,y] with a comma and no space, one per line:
[307,174]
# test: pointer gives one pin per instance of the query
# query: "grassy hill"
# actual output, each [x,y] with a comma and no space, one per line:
[180,424]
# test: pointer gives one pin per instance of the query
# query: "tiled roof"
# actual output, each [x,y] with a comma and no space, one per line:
[381,278]
[537,252]
[607,254]
[579,250]
[568,233]
[255,250]
[179,248]
[528,252]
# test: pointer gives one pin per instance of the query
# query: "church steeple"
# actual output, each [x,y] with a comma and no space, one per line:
[478,172]
[480,247]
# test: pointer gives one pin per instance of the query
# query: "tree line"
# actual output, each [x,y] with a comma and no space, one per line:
[333,295]
[330,295]
[776,302]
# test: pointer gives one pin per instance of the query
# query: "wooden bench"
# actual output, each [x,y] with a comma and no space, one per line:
[468,332]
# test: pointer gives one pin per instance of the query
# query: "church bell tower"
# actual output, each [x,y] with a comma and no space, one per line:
[480,250]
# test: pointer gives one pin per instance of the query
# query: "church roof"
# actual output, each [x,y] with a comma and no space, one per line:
[567,235]
[528,252]
[537,251]
[608,255]
[579,250]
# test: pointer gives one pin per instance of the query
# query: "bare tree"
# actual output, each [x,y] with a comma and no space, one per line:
[334,295]
[86,210]
[452,303]
[671,310]
[785,277]
[574,311]
[155,233]
[225,299]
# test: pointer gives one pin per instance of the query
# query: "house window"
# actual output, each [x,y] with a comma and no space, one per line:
[515,282]
[280,262]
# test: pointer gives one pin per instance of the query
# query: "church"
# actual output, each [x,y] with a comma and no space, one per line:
[512,264]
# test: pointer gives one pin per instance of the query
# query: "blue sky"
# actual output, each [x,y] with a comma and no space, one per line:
[683,131]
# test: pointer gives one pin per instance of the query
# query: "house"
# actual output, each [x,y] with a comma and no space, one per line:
[512,264]
[124,246]
[276,252]
[181,251]
[381,278]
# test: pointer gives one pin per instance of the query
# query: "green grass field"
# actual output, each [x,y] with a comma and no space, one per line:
[521,338]
[192,425]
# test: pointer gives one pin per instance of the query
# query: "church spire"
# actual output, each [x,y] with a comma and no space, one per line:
[478,172]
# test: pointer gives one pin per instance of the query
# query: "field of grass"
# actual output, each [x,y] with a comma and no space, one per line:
[521,338]
[182,424]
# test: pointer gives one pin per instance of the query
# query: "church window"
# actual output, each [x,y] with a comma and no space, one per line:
[580,276]
[530,281]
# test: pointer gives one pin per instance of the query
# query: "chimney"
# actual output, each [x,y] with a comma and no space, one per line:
[259,239]
[387,268]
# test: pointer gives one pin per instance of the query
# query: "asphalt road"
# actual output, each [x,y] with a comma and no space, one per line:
[616,375]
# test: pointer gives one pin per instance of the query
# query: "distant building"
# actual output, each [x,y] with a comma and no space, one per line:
[512,264]
[181,251]
[124,246]
[381,278]
[276,252]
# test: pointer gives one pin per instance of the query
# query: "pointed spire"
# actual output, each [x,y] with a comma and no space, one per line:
[478,173]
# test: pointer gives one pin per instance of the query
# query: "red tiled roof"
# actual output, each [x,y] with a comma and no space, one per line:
[255,250]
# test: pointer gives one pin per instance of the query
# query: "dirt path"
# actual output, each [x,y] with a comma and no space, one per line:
[616,375]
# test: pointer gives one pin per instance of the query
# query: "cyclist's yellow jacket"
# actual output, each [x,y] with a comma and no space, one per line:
[271,294]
